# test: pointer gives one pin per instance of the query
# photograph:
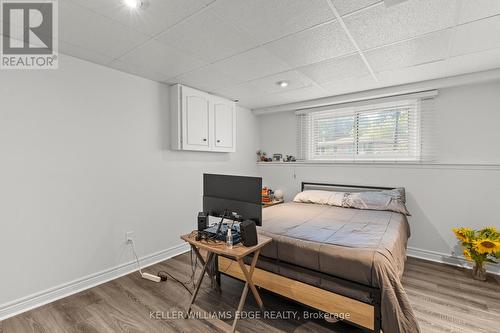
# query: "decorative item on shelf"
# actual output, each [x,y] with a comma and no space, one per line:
[481,246]
[271,198]
[267,195]
[290,158]
[277,157]
[262,156]
[278,195]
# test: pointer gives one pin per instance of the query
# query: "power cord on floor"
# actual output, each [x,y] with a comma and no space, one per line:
[194,263]
[163,275]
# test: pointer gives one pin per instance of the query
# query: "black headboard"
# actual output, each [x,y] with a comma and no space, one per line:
[342,187]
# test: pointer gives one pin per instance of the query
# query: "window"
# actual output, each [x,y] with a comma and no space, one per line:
[387,131]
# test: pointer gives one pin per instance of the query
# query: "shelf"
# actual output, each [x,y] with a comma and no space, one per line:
[376,164]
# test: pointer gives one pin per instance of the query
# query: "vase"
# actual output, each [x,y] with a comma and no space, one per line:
[479,272]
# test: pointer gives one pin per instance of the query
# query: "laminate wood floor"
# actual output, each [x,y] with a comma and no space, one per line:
[444,298]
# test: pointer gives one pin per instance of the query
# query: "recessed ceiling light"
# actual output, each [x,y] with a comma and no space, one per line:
[134,4]
[282,84]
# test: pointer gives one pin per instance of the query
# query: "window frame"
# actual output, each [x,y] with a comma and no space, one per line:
[412,154]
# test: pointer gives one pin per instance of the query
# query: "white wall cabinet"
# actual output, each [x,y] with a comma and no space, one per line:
[201,121]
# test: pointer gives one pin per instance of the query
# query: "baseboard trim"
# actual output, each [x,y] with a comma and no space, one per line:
[448,259]
[50,295]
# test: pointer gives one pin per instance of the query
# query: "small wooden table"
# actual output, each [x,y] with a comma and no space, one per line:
[238,252]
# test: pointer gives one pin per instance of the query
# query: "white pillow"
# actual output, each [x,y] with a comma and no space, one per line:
[336,199]
[331,198]
[392,200]
[313,196]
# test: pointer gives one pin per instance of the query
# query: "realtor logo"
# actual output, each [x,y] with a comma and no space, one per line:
[29,34]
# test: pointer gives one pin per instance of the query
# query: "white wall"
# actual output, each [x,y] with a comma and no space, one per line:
[84,159]
[440,196]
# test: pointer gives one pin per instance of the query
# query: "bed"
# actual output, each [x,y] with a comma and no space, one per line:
[337,260]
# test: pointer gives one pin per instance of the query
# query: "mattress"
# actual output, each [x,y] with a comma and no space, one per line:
[365,246]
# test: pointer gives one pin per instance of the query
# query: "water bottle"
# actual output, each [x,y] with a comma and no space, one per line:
[229,239]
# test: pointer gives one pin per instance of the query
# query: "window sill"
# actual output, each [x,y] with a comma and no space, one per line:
[388,164]
[340,162]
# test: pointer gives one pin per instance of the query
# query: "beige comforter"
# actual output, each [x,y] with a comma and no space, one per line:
[365,246]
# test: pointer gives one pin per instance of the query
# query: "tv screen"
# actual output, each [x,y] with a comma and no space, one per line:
[239,194]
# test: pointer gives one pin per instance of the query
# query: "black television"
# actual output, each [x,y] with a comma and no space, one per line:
[238,194]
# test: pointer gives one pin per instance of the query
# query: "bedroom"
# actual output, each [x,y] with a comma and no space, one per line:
[96,152]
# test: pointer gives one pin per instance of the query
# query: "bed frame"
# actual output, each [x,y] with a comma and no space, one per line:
[365,315]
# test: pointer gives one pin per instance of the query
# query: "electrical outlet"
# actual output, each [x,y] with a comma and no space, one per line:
[129,236]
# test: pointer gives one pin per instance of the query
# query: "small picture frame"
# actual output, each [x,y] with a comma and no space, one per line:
[277,157]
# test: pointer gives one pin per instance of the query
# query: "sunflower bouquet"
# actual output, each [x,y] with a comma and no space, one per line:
[481,246]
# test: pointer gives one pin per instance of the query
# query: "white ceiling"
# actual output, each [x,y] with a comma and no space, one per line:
[241,48]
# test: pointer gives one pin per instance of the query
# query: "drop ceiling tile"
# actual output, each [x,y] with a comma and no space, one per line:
[251,65]
[267,85]
[206,78]
[88,30]
[379,25]
[256,99]
[259,102]
[313,45]
[78,52]
[137,70]
[412,74]
[348,6]
[301,94]
[477,36]
[236,92]
[208,37]
[162,58]
[291,96]
[336,69]
[159,15]
[243,91]
[472,10]
[256,89]
[99,6]
[155,18]
[474,62]
[348,85]
[269,20]
[425,49]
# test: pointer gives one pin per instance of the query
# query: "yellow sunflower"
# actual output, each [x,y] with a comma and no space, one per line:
[461,233]
[467,254]
[490,232]
[491,229]
[487,246]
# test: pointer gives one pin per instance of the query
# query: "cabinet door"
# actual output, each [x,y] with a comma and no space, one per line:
[224,125]
[195,119]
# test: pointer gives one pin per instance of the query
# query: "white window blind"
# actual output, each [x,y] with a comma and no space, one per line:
[368,131]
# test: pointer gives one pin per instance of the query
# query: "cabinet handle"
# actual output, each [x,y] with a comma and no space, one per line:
[218,141]
[204,139]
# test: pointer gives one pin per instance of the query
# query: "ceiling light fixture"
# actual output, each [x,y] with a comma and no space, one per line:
[133,4]
[282,84]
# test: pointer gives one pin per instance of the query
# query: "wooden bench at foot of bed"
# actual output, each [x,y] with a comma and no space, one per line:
[361,314]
